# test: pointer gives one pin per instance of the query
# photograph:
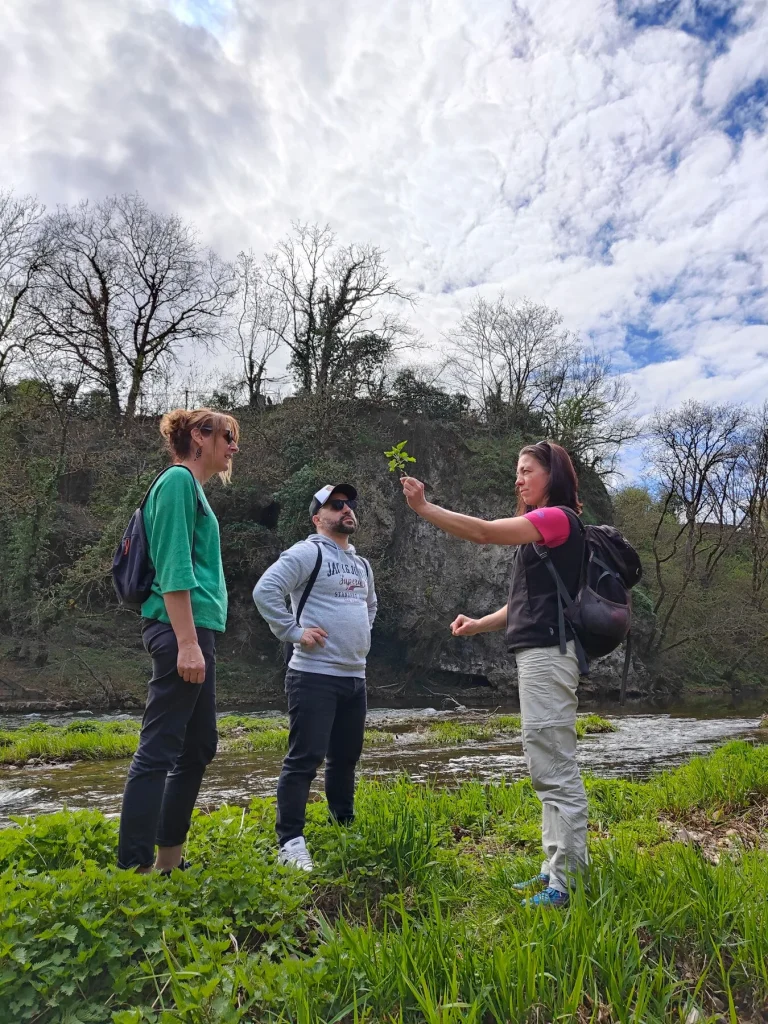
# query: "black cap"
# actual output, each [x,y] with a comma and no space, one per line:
[319,498]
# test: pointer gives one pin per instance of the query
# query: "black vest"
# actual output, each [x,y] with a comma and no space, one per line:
[532,607]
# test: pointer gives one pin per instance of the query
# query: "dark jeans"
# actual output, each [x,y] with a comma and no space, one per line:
[178,740]
[327,720]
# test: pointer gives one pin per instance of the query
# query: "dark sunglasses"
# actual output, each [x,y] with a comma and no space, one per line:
[228,436]
[337,504]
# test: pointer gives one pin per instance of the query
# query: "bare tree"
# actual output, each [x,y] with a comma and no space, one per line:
[695,452]
[21,253]
[333,296]
[123,289]
[500,352]
[59,381]
[520,366]
[585,406]
[259,324]
[756,502]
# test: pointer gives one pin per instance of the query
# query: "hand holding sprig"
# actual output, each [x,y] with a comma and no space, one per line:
[413,490]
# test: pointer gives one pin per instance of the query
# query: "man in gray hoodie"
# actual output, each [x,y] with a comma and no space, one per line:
[333,605]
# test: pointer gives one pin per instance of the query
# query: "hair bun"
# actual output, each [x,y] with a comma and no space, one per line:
[174,423]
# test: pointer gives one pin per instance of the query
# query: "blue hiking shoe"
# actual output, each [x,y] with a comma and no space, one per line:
[537,882]
[549,898]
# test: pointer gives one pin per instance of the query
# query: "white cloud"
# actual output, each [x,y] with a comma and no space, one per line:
[550,150]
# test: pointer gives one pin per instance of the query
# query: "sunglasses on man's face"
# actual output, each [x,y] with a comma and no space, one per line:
[228,435]
[337,504]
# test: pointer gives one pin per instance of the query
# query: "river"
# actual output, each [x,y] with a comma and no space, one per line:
[646,741]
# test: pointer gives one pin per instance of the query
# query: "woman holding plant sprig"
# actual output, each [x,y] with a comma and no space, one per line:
[548,508]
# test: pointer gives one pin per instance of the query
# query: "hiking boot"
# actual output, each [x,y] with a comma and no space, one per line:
[295,854]
[537,882]
[549,898]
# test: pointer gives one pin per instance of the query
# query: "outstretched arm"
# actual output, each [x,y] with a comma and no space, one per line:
[462,625]
[516,530]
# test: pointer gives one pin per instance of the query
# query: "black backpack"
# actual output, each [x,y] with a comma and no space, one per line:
[601,612]
[132,569]
[287,648]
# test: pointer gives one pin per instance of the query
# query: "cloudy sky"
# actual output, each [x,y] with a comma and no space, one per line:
[607,157]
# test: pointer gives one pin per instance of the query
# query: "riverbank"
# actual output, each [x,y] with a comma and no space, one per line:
[409,917]
[83,740]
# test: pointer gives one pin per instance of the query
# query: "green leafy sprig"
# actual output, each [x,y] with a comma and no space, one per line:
[399,458]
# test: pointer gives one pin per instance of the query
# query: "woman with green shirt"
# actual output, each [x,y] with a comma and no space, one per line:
[180,620]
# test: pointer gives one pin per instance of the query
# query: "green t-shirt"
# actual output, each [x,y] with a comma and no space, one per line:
[179,522]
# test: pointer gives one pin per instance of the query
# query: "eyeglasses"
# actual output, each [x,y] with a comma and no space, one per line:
[337,504]
[228,435]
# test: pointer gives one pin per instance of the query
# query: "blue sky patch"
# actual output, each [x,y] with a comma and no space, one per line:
[601,242]
[747,111]
[207,14]
[645,345]
[713,22]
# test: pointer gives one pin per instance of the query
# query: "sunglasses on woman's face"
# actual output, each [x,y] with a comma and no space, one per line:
[337,504]
[228,435]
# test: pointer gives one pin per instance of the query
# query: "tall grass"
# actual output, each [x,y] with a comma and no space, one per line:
[409,917]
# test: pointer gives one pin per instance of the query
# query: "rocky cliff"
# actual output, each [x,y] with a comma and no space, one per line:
[424,577]
[88,651]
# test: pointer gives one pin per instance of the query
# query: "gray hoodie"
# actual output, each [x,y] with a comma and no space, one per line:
[342,602]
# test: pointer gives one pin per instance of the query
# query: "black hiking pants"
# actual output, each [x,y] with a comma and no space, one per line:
[327,720]
[177,742]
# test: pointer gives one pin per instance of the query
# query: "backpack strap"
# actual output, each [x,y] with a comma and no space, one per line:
[162,472]
[310,583]
[564,600]
[200,506]
[625,670]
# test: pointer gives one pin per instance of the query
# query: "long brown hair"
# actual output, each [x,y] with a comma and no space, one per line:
[563,482]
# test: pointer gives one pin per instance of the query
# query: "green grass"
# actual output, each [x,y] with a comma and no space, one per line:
[448,734]
[77,741]
[588,724]
[409,917]
[97,741]
[454,733]
[233,724]
[379,738]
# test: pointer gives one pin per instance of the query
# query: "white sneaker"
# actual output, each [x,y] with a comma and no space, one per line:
[295,854]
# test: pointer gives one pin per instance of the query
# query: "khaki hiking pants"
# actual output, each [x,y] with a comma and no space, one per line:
[547,682]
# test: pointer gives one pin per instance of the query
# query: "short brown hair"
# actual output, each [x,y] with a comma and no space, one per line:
[563,481]
[177,426]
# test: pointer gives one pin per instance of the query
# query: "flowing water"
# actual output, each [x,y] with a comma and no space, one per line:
[645,742]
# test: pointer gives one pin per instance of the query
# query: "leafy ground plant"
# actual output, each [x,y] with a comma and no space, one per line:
[410,916]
